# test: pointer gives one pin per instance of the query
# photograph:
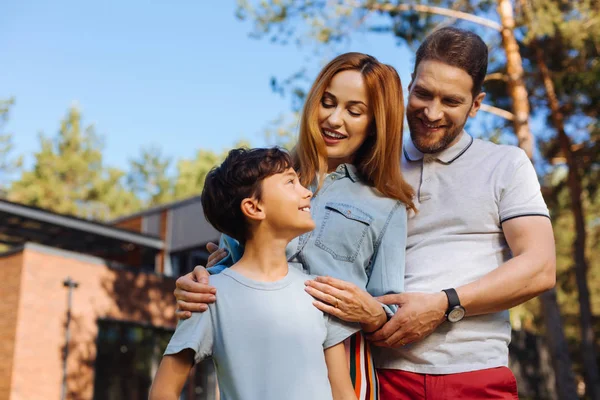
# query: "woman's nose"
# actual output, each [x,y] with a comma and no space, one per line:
[335,118]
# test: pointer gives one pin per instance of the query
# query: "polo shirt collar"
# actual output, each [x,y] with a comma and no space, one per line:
[446,156]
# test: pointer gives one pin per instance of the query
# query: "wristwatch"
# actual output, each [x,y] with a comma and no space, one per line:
[455,311]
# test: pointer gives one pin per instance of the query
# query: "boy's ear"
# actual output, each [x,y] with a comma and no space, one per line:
[252,209]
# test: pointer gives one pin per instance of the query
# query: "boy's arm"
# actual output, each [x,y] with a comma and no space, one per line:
[339,375]
[171,375]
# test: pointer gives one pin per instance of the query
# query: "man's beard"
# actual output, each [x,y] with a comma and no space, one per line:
[451,132]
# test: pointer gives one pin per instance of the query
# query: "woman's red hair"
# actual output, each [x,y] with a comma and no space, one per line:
[378,159]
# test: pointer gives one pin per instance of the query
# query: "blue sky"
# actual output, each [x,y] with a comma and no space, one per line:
[178,75]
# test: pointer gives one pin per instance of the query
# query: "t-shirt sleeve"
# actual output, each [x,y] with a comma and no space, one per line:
[195,333]
[521,195]
[338,330]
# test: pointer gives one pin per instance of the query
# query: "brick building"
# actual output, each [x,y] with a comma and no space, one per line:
[122,310]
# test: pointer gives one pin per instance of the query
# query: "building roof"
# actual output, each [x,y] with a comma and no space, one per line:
[157,209]
[20,224]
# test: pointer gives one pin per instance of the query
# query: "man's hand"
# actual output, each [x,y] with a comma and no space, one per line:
[418,315]
[192,291]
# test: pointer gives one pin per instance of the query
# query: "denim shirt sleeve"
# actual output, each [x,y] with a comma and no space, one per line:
[234,253]
[387,267]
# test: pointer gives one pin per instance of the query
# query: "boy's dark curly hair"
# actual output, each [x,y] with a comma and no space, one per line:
[240,176]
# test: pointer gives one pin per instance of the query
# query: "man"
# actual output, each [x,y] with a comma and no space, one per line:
[479,204]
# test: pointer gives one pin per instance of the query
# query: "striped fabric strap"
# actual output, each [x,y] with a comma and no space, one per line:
[362,371]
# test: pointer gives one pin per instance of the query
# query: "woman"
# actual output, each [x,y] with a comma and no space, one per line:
[348,154]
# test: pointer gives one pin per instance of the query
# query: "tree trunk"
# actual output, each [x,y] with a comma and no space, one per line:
[588,349]
[516,84]
[566,388]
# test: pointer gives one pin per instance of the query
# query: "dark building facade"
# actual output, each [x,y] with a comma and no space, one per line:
[122,310]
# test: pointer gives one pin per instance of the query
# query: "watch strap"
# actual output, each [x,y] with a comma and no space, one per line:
[453,299]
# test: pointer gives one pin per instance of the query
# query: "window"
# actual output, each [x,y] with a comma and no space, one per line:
[128,356]
[183,262]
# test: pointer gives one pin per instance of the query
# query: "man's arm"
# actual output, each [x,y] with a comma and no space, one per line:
[171,376]
[339,375]
[531,271]
[192,291]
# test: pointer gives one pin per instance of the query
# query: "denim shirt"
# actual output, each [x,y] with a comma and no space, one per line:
[360,236]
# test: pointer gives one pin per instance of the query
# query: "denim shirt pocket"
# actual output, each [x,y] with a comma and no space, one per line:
[343,230]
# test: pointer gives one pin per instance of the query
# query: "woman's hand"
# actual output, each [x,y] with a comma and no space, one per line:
[216,254]
[192,291]
[347,302]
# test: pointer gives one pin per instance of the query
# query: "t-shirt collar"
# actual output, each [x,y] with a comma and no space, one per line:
[446,156]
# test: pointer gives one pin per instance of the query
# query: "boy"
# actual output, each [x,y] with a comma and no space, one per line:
[266,338]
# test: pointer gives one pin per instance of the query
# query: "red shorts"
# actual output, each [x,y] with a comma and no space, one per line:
[493,383]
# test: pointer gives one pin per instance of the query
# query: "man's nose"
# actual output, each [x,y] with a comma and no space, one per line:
[433,111]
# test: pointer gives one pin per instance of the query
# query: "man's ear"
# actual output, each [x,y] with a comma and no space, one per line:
[476,104]
[412,79]
[252,209]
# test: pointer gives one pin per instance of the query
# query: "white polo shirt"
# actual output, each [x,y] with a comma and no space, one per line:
[463,194]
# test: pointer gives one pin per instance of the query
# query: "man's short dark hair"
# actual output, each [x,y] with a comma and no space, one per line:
[240,176]
[459,48]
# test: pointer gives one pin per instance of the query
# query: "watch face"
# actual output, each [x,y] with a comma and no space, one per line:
[456,314]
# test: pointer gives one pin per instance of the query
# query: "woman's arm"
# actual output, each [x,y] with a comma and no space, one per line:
[171,376]
[388,264]
[347,302]
[386,276]
[339,375]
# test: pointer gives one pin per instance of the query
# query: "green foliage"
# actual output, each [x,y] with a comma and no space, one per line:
[148,177]
[69,177]
[283,131]
[8,164]
[191,173]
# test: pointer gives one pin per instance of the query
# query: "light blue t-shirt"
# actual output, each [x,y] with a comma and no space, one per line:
[267,339]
